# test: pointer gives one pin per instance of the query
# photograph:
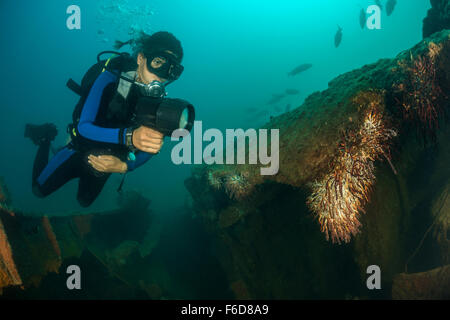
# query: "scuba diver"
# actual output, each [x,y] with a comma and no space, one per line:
[105,137]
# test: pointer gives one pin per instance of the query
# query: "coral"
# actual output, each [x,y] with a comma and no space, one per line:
[422,96]
[8,271]
[341,194]
[259,250]
[235,185]
[51,235]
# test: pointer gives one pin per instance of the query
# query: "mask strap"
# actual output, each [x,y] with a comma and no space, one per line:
[168,82]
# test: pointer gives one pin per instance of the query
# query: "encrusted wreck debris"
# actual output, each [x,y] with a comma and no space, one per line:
[332,143]
[339,197]
[429,285]
[8,271]
[347,157]
[32,247]
[119,252]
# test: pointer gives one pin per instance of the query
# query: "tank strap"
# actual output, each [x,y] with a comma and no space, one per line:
[107,62]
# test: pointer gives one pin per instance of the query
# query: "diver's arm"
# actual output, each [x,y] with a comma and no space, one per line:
[141,158]
[86,127]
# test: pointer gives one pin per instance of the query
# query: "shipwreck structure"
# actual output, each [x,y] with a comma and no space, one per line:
[365,163]
[363,180]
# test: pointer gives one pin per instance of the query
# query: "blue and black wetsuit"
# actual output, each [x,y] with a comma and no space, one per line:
[98,129]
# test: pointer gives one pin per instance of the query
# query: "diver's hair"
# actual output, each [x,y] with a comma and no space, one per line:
[159,41]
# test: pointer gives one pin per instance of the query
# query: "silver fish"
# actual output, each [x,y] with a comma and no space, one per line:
[276,98]
[292,91]
[390,6]
[338,37]
[301,68]
[378,2]
[362,18]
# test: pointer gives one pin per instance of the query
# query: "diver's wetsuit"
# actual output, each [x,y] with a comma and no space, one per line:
[97,130]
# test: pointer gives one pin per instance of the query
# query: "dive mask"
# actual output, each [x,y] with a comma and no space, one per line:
[161,63]
[164,65]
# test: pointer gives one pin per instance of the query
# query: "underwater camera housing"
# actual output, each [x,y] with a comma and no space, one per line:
[164,114]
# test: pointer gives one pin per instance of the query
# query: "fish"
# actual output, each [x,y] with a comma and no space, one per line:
[362,18]
[277,108]
[338,37]
[378,2]
[301,68]
[251,109]
[390,6]
[276,98]
[292,91]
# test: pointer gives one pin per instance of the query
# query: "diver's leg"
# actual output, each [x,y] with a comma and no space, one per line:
[42,136]
[59,170]
[90,187]
[41,160]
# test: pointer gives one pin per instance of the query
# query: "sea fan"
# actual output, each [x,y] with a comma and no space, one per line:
[236,186]
[422,96]
[339,197]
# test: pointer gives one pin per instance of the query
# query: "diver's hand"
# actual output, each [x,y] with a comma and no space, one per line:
[147,139]
[107,163]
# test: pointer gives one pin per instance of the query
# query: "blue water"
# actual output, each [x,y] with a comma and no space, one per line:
[237,53]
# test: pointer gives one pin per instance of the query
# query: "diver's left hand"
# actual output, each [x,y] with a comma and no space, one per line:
[107,163]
